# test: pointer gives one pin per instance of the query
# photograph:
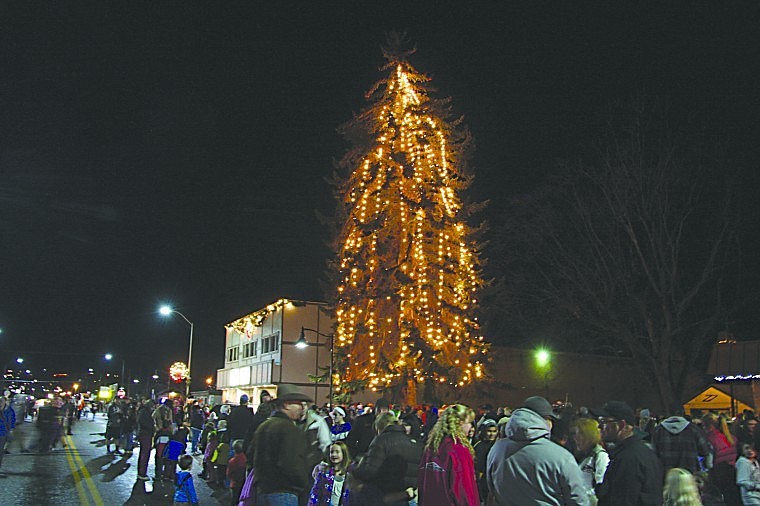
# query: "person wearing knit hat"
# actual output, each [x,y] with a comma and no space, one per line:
[240,420]
[340,427]
[264,410]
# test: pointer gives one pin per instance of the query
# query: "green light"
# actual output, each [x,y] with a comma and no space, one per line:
[542,357]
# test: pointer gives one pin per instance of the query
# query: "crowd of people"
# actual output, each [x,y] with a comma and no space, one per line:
[291,452]
[534,454]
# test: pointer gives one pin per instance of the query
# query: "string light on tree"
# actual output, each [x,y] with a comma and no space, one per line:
[407,265]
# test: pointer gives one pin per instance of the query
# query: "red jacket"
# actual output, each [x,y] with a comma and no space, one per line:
[723,451]
[448,476]
[236,470]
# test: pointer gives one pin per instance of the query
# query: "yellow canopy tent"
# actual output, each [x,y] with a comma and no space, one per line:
[713,399]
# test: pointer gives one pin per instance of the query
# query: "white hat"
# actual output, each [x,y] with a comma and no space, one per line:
[340,411]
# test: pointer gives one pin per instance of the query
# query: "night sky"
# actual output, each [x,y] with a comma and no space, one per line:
[177,152]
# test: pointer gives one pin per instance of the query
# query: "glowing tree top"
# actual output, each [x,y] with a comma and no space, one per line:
[407,266]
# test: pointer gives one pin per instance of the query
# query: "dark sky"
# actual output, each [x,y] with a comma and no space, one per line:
[160,151]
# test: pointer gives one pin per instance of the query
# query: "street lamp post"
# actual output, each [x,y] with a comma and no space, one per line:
[303,343]
[122,381]
[166,311]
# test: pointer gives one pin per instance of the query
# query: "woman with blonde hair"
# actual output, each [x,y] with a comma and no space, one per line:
[592,458]
[723,473]
[680,489]
[446,474]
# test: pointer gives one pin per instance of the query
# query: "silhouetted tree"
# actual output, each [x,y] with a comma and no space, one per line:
[630,251]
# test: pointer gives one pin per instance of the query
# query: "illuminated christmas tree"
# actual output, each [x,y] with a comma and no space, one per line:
[407,264]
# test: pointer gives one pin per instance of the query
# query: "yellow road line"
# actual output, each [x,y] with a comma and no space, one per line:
[77,480]
[97,500]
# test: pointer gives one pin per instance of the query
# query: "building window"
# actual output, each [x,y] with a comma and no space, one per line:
[275,342]
[249,349]
[232,354]
[271,343]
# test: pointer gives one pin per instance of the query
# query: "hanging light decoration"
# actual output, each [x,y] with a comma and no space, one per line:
[178,371]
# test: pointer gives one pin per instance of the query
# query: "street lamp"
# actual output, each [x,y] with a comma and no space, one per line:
[302,343]
[544,366]
[109,356]
[166,311]
[19,360]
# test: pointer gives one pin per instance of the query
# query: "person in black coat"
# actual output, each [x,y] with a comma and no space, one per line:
[389,467]
[362,429]
[635,475]
[240,420]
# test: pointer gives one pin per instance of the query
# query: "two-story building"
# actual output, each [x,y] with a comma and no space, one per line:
[261,351]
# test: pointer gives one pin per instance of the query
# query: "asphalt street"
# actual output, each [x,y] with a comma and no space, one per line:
[83,473]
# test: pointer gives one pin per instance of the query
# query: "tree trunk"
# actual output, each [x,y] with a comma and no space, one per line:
[411,392]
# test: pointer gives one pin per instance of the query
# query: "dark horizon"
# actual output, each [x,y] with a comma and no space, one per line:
[180,155]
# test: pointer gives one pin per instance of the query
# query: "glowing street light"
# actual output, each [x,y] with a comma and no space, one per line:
[19,360]
[543,364]
[166,311]
[302,343]
[109,356]
[543,357]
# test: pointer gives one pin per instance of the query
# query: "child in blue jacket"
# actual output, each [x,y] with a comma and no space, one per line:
[174,449]
[184,490]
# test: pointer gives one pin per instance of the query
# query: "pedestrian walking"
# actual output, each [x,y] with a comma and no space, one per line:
[196,428]
[7,424]
[46,427]
[114,426]
[145,432]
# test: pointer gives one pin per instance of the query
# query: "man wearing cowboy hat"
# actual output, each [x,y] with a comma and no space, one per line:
[279,449]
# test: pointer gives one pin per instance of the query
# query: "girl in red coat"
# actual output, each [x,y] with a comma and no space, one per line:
[447,473]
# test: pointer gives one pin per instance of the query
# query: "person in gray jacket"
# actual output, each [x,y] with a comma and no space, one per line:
[528,468]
